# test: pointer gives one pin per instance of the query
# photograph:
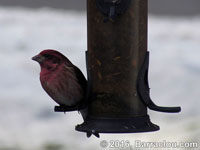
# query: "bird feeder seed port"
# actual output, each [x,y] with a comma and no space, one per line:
[117,59]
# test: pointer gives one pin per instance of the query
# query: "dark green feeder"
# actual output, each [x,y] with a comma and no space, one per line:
[117,66]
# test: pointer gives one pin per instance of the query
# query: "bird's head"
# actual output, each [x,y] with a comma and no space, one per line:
[50,59]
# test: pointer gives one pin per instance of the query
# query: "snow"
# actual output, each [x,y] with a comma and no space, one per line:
[27,120]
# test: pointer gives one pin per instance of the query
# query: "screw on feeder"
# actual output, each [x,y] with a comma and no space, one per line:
[112,11]
[112,8]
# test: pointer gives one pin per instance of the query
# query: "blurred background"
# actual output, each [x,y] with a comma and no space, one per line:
[27,120]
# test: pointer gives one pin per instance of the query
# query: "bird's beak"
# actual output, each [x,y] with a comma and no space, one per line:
[38,58]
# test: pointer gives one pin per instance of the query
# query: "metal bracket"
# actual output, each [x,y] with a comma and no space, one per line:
[112,8]
[144,91]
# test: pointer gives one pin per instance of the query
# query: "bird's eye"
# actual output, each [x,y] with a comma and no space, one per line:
[48,56]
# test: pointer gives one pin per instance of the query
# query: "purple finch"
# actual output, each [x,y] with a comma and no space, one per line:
[62,80]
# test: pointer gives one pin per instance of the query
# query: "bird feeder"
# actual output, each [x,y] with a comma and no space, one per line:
[117,68]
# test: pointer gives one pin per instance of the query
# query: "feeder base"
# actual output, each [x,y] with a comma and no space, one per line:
[117,125]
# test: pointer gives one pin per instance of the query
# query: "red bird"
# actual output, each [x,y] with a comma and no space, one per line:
[62,80]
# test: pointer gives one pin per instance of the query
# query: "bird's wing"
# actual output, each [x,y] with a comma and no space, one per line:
[81,78]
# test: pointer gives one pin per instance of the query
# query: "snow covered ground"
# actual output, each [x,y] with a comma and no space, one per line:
[27,120]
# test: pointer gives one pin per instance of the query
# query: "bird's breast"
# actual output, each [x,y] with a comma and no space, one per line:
[62,87]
